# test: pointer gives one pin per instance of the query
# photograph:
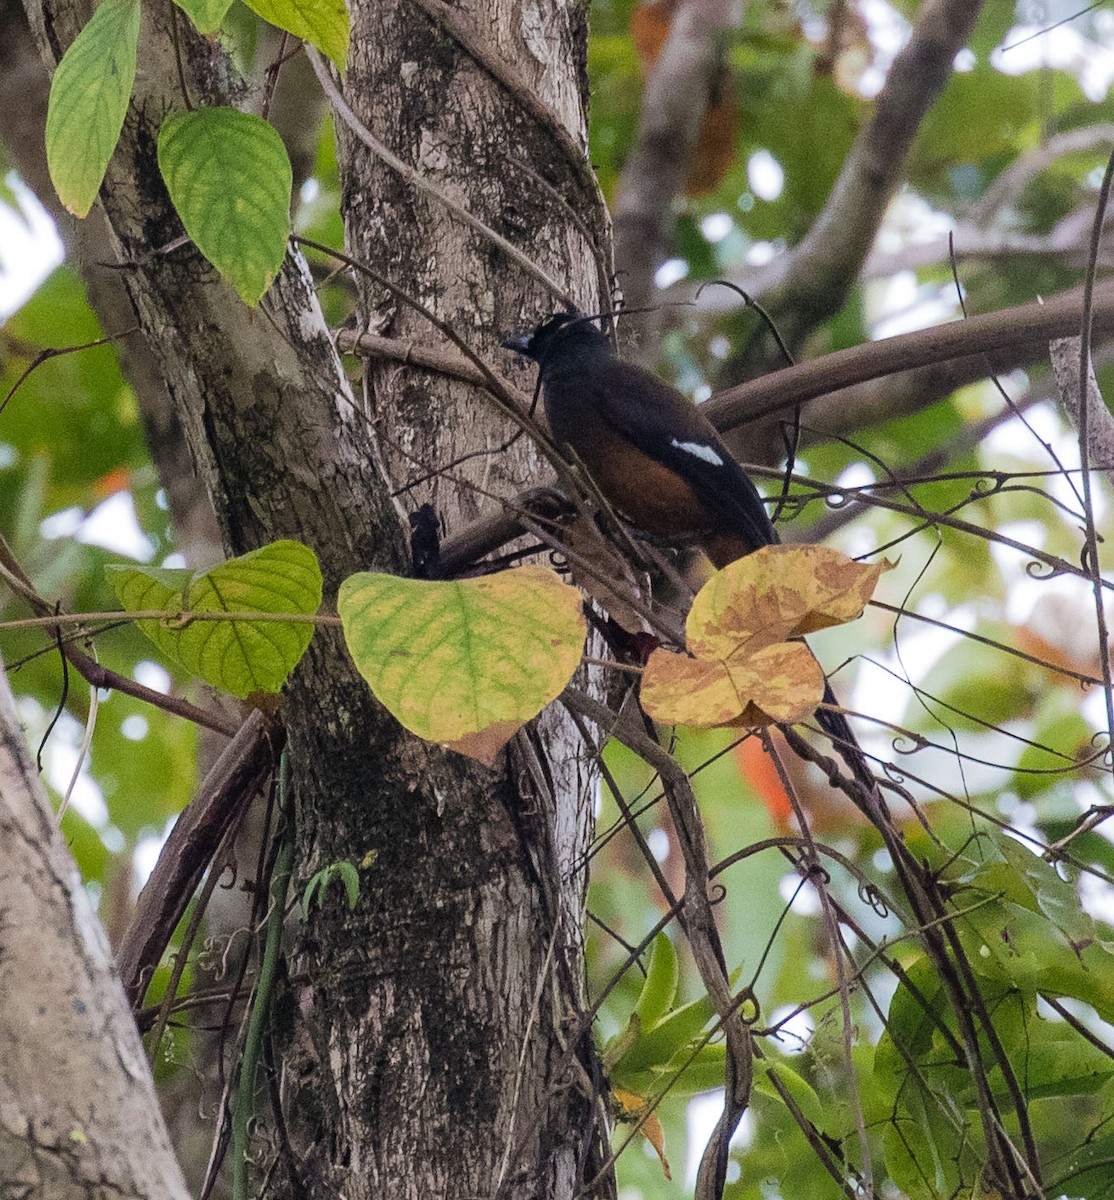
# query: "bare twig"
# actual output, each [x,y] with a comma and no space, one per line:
[1091,558]
[699,924]
[433,358]
[1009,185]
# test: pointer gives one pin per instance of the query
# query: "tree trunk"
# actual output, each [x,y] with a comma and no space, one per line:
[77,1103]
[437,1045]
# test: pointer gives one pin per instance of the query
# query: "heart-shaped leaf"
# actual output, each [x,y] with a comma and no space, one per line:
[239,656]
[746,666]
[465,663]
[229,177]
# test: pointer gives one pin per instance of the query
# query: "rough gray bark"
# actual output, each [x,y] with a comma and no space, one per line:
[434,87]
[1064,354]
[435,1045]
[78,1116]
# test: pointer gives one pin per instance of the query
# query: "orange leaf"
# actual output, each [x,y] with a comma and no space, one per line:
[782,682]
[689,691]
[649,27]
[778,593]
[717,142]
[116,480]
[634,1108]
[758,769]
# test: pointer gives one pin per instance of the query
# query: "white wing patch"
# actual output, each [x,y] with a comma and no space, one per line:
[699,450]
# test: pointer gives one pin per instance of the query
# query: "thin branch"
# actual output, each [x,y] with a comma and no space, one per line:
[1015,178]
[176,618]
[1091,540]
[699,924]
[413,354]
[235,777]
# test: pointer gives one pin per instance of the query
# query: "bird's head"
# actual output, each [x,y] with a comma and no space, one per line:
[566,333]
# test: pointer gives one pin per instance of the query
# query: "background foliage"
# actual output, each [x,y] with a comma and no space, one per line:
[1011,738]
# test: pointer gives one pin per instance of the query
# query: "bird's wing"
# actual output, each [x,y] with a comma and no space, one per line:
[668,427]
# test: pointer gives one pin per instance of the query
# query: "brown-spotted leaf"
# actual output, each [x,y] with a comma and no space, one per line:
[748,666]
[782,682]
[485,745]
[689,691]
[778,593]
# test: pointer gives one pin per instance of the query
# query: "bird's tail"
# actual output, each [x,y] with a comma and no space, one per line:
[835,725]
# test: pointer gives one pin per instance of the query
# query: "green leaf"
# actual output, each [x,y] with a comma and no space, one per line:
[229,177]
[660,985]
[1010,944]
[1087,1173]
[322,23]
[694,1069]
[800,1090]
[205,14]
[670,1035]
[619,1045]
[320,880]
[350,877]
[88,99]
[464,663]
[242,656]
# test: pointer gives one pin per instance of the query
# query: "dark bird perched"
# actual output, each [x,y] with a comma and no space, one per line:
[651,452]
[656,457]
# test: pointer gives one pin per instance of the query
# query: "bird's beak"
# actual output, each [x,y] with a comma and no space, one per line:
[518,342]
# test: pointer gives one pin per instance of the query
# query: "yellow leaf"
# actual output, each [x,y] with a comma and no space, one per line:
[635,1108]
[778,593]
[465,663]
[782,682]
[747,666]
[689,691]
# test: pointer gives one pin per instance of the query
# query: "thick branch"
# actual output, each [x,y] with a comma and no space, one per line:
[931,363]
[672,107]
[1016,335]
[235,778]
[809,284]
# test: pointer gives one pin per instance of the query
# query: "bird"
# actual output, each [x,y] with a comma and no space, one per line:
[660,462]
[649,449]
